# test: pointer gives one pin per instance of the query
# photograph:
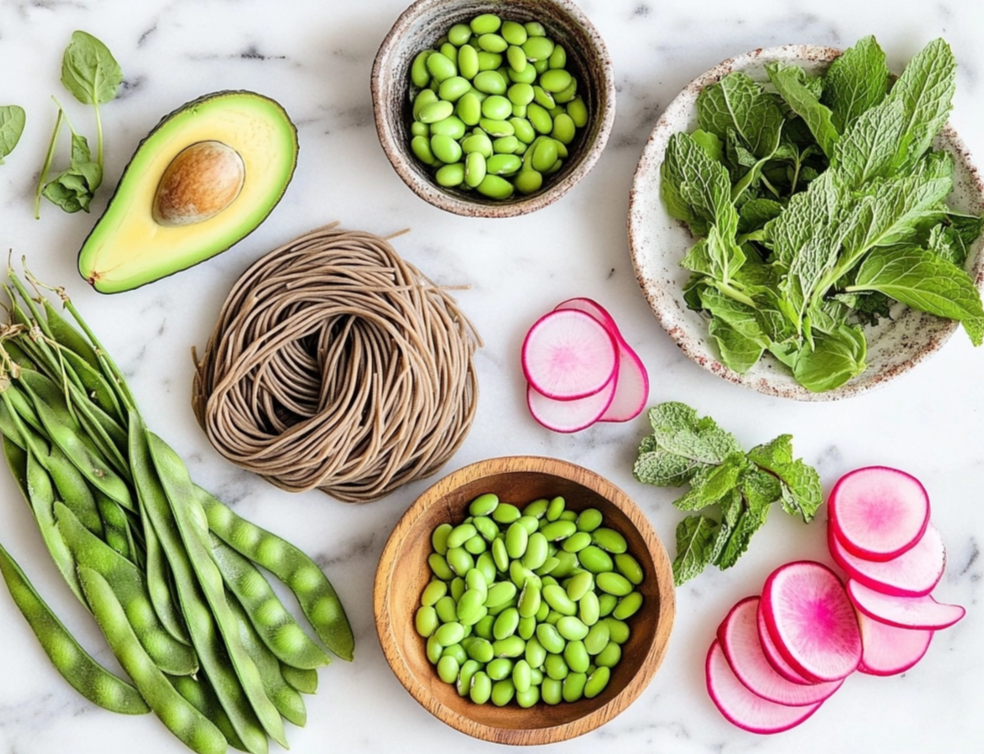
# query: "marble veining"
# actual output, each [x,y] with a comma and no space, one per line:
[315,58]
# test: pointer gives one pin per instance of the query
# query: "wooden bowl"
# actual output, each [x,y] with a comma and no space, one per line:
[419,27]
[403,573]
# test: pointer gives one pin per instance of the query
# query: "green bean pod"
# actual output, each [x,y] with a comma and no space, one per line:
[189,725]
[76,666]
[198,581]
[160,586]
[302,575]
[127,583]
[200,695]
[73,490]
[274,624]
[305,681]
[285,697]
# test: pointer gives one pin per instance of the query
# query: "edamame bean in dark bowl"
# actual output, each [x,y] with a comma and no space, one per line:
[554,495]
[468,148]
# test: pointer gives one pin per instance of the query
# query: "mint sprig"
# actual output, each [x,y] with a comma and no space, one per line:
[731,491]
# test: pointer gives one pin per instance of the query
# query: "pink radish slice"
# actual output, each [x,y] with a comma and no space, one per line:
[739,639]
[912,574]
[569,355]
[633,380]
[889,650]
[743,708]
[569,416]
[774,656]
[904,612]
[812,621]
[878,512]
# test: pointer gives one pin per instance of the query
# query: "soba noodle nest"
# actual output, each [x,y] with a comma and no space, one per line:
[335,364]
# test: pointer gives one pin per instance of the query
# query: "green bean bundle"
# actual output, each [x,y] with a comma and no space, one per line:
[168,572]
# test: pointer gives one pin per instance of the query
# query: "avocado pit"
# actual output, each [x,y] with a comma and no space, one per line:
[201,181]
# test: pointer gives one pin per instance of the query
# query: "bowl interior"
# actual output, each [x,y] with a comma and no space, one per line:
[658,243]
[404,573]
[421,26]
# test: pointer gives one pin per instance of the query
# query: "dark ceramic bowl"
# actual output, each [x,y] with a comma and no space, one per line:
[421,25]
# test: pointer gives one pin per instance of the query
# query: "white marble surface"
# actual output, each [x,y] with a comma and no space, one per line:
[315,57]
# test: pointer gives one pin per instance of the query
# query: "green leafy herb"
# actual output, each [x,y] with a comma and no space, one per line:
[816,201]
[687,449]
[92,75]
[11,127]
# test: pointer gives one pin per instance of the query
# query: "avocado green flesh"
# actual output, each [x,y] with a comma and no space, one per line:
[127,248]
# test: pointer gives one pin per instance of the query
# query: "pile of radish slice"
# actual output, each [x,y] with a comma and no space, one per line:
[777,657]
[580,370]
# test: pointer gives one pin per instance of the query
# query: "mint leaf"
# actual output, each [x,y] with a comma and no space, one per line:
[832,360]
[694,187]
[739,105]
[11,127]
[711,144]
[773,454]
[925,89]
[953,238]
[793,86]
[924,281]
[752,519]
[712,483]
[694,538]
[868,149]
[732,509]
[759,488]
[856,82]
[754,214]
[738,352]
[799,483]
[677,429]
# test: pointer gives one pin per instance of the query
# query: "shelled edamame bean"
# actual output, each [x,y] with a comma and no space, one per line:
[494,107]
[539,614]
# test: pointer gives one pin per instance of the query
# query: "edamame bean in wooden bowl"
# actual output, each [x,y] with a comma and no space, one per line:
[515,487]
[493,108]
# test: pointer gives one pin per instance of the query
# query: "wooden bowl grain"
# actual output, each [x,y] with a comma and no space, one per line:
[402,574]
[419,27]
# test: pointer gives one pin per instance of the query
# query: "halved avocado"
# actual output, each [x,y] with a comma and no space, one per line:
[204,178]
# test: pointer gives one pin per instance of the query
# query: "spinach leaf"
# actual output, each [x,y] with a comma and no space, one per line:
[11,127]
[89,70]
[924,281]
[792,83]
[856,82]
[73,189]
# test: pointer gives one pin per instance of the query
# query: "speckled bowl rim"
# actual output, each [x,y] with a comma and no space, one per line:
[663,300]
[429,191]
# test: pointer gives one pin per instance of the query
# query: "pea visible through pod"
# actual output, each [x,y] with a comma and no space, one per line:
[484,77]
[526,622]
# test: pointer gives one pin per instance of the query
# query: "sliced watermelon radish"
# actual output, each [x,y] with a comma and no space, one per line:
[811,620]
[889,650]
[569,355]
[878,513]
[912,574]
[739,639]
[904,612]
[569,416]
[743,708]
[633,380]
[774,656]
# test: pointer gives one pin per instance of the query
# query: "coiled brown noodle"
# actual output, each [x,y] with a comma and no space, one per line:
[335,364]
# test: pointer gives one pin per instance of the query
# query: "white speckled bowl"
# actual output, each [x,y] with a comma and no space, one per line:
[658,242]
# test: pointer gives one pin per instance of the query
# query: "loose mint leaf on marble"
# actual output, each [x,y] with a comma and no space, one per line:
[740,105]
[11,127]
[736,490]
[793,85]
[924,281]
[925,89]
[856,82]
[694,542]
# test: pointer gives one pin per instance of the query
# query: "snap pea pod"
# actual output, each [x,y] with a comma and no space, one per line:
[189,725]
[200,695]
[171,656]
[76,666]
[302,575]
[198,582]
[305,681]
[285,697]
[274,624]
